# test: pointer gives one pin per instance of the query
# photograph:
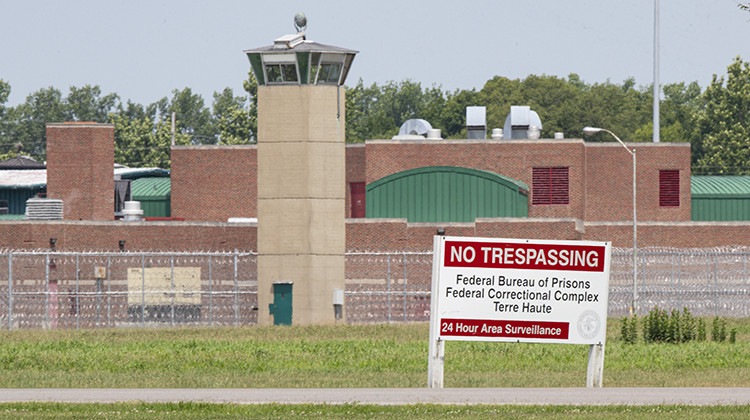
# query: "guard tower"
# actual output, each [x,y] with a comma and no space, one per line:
[301,179]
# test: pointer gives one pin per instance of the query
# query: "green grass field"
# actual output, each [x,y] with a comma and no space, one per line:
[187,411]
[347,356]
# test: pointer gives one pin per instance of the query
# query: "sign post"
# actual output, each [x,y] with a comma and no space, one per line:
[517,290]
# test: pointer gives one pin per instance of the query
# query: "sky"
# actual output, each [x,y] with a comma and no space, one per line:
[143,50]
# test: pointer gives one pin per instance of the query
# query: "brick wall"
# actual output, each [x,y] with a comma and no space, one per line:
[230,174]
[80,169]
[600,174]
[361,234]
[609,181]
[356,165]
[512,158]
[149,236]
[214,183]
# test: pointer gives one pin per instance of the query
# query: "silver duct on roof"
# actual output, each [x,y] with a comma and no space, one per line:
[476,122]
[520,122]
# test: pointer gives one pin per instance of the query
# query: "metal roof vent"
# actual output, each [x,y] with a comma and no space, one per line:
[519,121]
[44,209]
[132,211]
[476,122]
[289,41]
[413,129]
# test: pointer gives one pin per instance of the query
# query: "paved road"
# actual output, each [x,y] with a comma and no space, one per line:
[396,396]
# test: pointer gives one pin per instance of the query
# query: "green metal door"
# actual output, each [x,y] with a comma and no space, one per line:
[281,308]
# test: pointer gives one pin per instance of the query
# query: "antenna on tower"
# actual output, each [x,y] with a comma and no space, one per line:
[300,22]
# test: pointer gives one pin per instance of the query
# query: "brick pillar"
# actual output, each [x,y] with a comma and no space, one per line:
[80,169]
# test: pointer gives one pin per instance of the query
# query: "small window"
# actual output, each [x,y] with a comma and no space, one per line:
[550,186]
[329,73]
[289,72]
[669,188]
[273,73]
[281,73]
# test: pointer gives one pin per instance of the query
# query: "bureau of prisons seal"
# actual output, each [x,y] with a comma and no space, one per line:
[589,324]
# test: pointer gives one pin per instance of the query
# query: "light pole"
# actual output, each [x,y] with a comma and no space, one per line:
[593,130]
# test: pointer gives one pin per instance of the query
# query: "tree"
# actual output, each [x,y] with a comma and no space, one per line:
[31,118]
[723,124]
[87,104]
[232,118]
[4,94]
[453,114]
[4,122]
[678,111]
[360,104]
[142,142]
[378,111]
[192,117]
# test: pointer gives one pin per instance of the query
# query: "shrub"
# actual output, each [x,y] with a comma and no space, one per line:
[629,329]
[675,327]
[719,329]
[688,326]
[701,330]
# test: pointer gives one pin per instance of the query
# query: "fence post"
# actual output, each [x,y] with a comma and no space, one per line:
[210,294]
[388,281]
[716,269]
[46,293]
[679,277]
[78,306]
[109,291]
[403,256]
[716,284]
[236,291]
[10,291]
[171,263]
[143,290]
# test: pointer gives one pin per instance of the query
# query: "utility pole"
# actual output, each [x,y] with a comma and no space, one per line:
[657,89]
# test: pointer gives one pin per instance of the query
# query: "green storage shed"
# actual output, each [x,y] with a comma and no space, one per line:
[446,194]
[720,198]
[154,195]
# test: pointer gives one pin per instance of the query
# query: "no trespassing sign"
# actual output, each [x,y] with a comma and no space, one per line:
[521,290]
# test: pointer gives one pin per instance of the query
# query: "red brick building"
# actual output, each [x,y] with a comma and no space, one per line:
[80,158]
[211,184]
[215,183]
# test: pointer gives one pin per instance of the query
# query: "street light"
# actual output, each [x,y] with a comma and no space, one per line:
[593,130]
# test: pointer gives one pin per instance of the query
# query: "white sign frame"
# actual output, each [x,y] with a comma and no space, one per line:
[519,290]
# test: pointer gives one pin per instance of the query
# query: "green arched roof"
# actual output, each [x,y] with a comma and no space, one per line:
[720,186]
[446,194]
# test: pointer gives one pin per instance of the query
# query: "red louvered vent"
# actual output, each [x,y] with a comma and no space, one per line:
[669,188]
[550,186]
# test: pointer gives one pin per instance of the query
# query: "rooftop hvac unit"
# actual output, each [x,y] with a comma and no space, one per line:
[520,120]
[132,211]
[414,128]
[122,194]
[44,209]
[476,122]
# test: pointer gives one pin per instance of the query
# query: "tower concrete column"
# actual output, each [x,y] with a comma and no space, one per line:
[301,178]
[301,198]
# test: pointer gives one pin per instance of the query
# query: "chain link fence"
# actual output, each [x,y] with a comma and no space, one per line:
[94,290]
[47,289]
